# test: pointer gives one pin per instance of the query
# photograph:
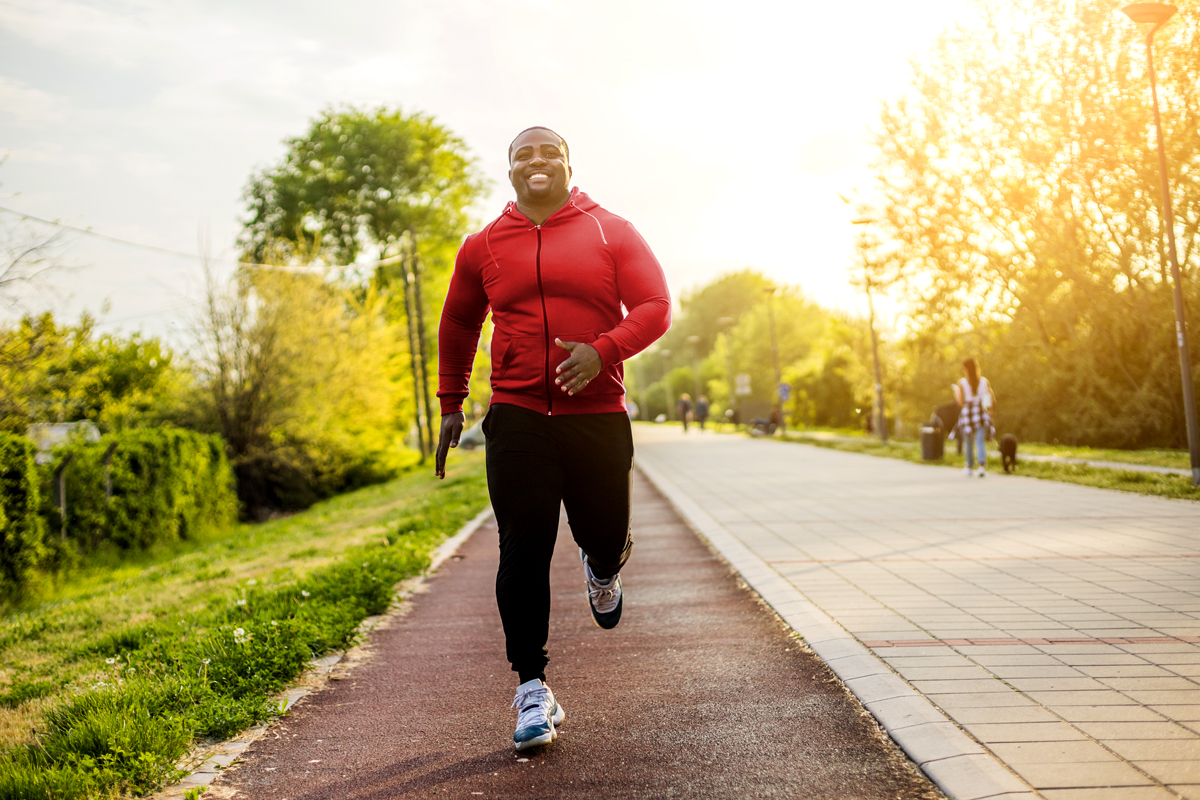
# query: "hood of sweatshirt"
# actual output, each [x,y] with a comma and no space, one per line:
[578,204]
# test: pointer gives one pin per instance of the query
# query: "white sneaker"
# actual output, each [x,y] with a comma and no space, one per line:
[604,597]
[967,471]
[980,471]
[538,715]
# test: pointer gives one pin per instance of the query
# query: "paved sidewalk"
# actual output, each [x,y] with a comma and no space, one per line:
[1057,625]
[700,692]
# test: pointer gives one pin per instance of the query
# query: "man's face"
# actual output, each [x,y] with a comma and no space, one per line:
[538,168]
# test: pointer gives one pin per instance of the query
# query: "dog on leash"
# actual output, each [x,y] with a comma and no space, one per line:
[1008,452]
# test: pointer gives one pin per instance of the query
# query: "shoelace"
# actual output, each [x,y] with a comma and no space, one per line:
[532,708]
[603,597]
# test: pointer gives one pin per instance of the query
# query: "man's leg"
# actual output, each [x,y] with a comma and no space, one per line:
[525,482]
[598,474]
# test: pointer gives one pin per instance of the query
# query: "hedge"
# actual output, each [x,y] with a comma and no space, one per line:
[167,484]
[21,527]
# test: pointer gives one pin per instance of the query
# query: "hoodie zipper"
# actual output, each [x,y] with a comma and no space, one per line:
[545,326]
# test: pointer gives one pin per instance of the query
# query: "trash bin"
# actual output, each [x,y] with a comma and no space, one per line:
[931,443]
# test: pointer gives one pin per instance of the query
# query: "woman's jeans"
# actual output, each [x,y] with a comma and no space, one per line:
[973,440]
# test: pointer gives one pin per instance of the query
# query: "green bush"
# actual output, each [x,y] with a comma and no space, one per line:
[167,484]
[21,527]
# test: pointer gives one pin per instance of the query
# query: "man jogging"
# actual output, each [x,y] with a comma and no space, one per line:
[555,269]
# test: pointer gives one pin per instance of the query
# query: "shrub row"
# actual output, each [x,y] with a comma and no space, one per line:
[168,683]
[21,526]
[161,485]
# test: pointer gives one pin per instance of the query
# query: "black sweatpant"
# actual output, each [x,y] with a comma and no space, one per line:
[535,463]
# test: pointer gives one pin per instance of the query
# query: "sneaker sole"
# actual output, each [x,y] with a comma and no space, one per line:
[539,741]
[556,719]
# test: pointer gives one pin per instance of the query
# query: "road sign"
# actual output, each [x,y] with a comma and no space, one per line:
[743,384]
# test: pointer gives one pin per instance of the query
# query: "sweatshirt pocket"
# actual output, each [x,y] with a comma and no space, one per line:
[519,364]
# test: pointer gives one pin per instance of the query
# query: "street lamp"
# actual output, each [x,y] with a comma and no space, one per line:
[770,290]
[727,324]
[880,417]
[694,341]
[666,357]
[1157,14]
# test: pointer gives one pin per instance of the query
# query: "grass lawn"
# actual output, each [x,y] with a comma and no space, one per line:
[1177,459]
[108,677]
[1177,486]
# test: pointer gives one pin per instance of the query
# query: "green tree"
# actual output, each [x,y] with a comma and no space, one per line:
[378,181]
[1018,201]
[359,179]
[298,375]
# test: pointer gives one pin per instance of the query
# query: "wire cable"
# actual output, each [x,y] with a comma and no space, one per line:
[180,254]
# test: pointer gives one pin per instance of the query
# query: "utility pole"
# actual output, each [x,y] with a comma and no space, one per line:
[694,341]
[416,264]
[775,358]
[666,357]
[1158,14]
[413,349]
[880,418]
[727,324]
[879,415]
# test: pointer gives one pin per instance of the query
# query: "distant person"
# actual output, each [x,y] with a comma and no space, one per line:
[684,408]
[976,400]
[701,411]
[631,408]
[555,270]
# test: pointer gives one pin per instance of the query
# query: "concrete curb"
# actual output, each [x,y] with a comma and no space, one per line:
[959,765]
[205,764]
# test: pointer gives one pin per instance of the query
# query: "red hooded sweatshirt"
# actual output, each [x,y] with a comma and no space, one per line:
[567,278]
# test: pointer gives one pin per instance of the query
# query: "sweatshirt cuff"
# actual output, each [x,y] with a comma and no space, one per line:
[451,403]
[609,355]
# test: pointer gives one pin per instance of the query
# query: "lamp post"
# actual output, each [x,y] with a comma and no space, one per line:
[1157,14]
[694,341]
[727,324]
[770,290]
[880,417]
[666,357]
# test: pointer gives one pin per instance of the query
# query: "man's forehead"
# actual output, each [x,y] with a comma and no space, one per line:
[535,137]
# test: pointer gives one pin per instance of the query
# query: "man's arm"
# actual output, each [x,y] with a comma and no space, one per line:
[458,338]
[642,287]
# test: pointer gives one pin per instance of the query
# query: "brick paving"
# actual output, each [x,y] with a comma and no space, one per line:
[1058,626]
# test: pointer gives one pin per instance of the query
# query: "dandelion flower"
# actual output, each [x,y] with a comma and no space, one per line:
[239,632]
[241,602]
[304,592]
[110,661]
[207,661]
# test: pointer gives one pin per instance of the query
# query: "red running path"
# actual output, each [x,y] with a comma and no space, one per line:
[700,692]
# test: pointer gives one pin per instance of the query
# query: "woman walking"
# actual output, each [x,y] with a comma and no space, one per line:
[976,401]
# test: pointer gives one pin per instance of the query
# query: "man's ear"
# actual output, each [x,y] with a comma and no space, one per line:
[570,172]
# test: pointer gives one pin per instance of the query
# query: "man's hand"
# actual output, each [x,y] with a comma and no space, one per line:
[583,365]
[452,425]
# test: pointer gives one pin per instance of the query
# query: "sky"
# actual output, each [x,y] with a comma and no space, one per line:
[726,134]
